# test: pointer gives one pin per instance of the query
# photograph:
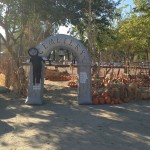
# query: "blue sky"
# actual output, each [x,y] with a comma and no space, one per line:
[127,2]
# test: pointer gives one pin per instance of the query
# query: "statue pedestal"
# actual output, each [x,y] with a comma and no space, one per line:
[35,92]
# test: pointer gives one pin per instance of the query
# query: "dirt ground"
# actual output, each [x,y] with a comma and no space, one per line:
[61,124]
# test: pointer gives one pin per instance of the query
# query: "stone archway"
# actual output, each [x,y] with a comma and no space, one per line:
[51,43]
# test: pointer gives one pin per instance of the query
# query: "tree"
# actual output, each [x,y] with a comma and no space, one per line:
[134,31]
[10,22]
[16,18]
[95,21]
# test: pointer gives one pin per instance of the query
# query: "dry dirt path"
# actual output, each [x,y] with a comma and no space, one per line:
[61,124]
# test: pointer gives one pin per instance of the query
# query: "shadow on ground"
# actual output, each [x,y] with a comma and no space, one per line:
[61,124]
[5,113]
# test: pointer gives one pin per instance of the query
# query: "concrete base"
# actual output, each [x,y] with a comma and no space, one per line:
[34,101]
[86,101]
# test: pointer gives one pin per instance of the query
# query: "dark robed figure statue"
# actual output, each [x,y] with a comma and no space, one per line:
[37,65]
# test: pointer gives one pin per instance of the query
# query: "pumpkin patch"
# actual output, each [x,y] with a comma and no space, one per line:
[119,89]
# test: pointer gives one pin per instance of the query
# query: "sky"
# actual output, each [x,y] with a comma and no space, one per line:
[130,2]
[1,30]
[127,2]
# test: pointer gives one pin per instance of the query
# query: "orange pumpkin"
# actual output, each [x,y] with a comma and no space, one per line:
[101,100]
[107,100]
[116,100]
[95,94]
[126,100]
[95,100]
[103,94]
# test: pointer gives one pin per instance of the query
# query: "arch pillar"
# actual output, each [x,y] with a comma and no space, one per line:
[84,84]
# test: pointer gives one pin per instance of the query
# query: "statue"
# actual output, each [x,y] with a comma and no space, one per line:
[37,65]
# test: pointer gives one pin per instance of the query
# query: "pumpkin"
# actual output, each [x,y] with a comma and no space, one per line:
[116,100]
[94,93]
[101,100]
[104,94]
[107,100]
[95,100]
[126,100]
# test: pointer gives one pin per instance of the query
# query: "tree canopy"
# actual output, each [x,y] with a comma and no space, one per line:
[27,22]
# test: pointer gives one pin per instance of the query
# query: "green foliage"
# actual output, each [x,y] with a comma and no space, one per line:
[142,6]
[134,31]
